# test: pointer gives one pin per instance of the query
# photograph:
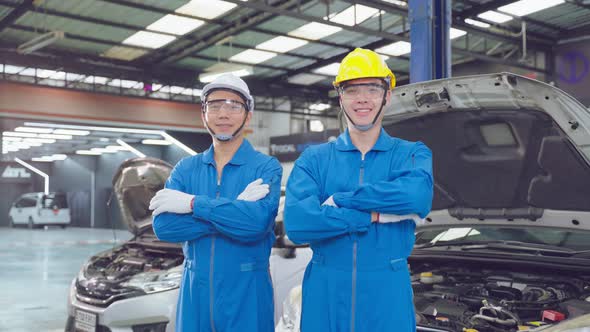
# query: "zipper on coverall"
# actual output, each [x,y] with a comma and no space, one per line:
[354,254]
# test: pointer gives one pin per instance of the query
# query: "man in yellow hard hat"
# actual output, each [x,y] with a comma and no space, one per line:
[354,200]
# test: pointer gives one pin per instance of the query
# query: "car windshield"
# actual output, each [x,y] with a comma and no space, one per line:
[540,237]
[54,201]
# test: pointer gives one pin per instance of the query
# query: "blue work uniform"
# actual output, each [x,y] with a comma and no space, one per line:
[226,283]
[358,278]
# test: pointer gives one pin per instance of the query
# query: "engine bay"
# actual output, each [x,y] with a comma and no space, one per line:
[496,298]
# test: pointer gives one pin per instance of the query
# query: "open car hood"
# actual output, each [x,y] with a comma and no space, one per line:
[135,183]
[506,149]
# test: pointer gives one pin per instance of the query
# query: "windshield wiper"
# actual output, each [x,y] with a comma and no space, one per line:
[502,245]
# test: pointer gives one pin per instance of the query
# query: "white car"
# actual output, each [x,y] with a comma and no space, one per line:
[134,286]
[507,244]
[39,209]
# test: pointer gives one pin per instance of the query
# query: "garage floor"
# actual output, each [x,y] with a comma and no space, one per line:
[36,268]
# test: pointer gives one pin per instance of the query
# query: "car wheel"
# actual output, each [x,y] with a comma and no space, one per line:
[30,224]
[63,226]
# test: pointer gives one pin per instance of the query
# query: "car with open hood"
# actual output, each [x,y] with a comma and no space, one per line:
[134,286]
[506,246]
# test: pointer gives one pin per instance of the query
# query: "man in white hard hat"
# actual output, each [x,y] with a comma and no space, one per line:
[221,204]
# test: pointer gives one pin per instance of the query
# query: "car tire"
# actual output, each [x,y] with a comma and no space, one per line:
[63,226]
[30,224]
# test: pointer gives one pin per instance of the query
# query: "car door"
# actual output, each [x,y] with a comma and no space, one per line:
[16,211]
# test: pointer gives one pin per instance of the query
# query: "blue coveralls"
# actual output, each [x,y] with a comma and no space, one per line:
[226,284]
[358,279]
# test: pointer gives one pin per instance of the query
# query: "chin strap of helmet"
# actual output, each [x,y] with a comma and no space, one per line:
[226,137]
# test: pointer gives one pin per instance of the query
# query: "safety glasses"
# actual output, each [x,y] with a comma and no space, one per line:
[230,106]
[368,90]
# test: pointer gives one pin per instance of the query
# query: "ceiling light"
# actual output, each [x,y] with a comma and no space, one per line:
[8,69]
[525,7]
[103,150]
[156,142]
[40,42]
[96,80]
[15,134]
[123,53]
[314,31]
[88,153]
[477,23]
[55,136]
[59,157]
[493,16]
[252,56]
[115,148]
[11,139]
[33,130]
[395,49]
[316,125]
[148,39]
[130,148]
[206,8]
[347,16]
[305,79]
[319,107]
[39,140]
[42,159]
[456,33]
[127,84]
[281,44]
[174,24]
[330,70]
[71,132]
[209,77]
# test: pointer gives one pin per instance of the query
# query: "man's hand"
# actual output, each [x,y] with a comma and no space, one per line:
[330,202]
[254,191]
[169,200]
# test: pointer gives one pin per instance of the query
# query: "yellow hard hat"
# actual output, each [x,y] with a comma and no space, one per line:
[363,63]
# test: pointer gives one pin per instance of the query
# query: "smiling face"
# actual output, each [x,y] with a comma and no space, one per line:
[362,98]
[224,112]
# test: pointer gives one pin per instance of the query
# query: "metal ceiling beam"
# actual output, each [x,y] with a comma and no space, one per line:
[579,3]
[539,43]
[16,13]
[221,33]
[477,8]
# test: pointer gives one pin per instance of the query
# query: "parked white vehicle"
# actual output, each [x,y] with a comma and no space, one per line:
[506,246]
[134,286]
[39,209]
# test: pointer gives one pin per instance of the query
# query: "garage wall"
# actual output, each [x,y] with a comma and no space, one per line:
[573,69]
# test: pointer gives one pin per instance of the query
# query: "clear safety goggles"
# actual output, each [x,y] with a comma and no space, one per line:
[368,90]
[231,106]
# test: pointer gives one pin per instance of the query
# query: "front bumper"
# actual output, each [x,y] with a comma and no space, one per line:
[141,313]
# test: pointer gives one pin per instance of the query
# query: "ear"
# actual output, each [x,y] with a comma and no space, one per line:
[388,97]
[248,118]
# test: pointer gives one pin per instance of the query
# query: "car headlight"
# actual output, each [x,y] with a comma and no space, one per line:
[156,281]
[292,309]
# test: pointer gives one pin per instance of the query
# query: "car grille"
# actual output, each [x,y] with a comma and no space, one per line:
[102,295]
[70,326]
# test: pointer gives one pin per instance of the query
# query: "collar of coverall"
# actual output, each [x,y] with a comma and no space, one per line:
[239,158]
[384,142]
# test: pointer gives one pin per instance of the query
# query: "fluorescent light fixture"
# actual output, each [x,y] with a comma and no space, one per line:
[8,69]
[88,153]
[71,132]
[477,23]
[9,149]
[148,39]
[123,53]
[252,56]
[493,16]
[59,156]
[330,70]
[395,49]
[526,7]
[397,2]
[15,134]
[178,143]
[176,25]
[206,8]
[96,80]
[39,42]
[347,16]
[55,136]
[11,139]
[45,176]
[281,44]
[209,77]
[319,107]
[132,149]
[39,140]
[156,142]
[115,148]
[314,31]
[33,130]
[103,150]
[305,79]
[42,159]
[456,33]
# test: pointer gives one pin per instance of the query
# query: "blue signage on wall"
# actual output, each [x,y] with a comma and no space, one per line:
[573,67]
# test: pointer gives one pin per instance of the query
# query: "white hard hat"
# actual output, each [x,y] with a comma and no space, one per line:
[230,82]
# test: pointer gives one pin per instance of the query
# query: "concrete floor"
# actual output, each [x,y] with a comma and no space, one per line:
[36,268]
